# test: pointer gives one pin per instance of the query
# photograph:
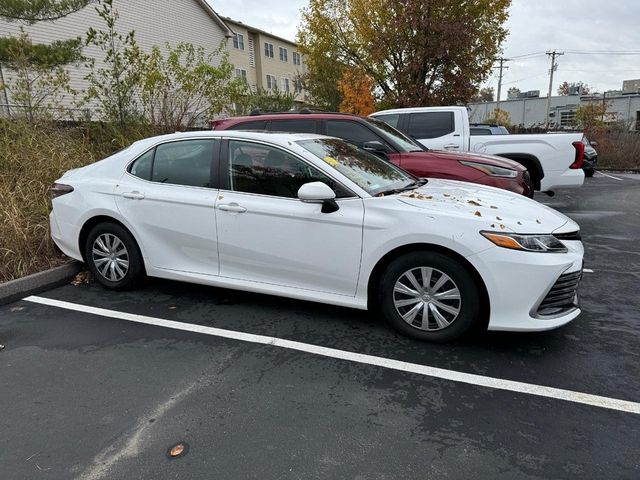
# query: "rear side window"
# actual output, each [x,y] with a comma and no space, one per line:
[184,163]
[352,132]
[255,125]
[430,124]
[392,119]
[141,168]
[293,126]
[479,131]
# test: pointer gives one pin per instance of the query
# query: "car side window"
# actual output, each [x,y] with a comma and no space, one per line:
[392,119]
[294,126]
[430,124]
[255,125]
[141,167]
[352,132]
[186,162]
[265,170]
[479,131]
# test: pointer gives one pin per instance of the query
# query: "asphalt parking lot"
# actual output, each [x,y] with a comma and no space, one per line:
[97,395]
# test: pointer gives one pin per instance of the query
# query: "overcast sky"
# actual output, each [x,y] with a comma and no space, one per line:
[534,26]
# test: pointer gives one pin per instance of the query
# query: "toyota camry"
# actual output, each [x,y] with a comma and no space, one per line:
[315,218]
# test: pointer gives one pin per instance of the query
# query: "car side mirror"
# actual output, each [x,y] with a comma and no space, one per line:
[319,192]
[377,148]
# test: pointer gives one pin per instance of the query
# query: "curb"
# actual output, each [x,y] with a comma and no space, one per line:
[38,282]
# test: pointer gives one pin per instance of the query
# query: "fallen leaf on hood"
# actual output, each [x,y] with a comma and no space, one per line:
[498,218]
[519,223]
[446,195]
[493,206]
[493,225]
[538,221]
[473,202]
[477,214]
[502,227]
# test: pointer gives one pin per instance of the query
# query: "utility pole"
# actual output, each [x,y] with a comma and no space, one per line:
[502,60]
[554,66]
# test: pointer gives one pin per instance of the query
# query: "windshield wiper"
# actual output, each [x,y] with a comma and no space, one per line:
[412,186]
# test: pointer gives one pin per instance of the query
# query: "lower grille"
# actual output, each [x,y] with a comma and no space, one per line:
[562,296]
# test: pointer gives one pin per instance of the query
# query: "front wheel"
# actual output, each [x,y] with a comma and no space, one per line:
[113,257]
[430,296]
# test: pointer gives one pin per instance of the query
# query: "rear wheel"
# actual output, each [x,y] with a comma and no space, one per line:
[589,172]
[113,257]
[430,296]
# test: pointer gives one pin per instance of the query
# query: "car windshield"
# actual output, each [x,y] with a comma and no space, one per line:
[369,172]
[403,142]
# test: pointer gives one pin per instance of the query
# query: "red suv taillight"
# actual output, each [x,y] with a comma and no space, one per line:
[59,189]
[579,160]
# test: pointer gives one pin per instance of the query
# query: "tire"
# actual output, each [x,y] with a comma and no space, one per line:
[589,172]
[109,239]
[450,325]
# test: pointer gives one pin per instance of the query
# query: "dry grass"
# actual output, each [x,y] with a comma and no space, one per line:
[618,149]
[31,158]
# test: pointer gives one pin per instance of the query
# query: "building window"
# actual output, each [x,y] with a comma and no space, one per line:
[297,85]
[268,50]
[238,41]
[285,85]
[297,60]
[283,54]
[271,82]
[567,117]
[240,73]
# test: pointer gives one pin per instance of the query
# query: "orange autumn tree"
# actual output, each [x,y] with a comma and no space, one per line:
[356,89]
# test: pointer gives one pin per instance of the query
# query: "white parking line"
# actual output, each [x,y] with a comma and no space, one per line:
[610,176]
[452,375]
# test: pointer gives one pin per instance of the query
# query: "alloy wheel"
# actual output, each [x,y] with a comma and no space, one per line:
[110,257]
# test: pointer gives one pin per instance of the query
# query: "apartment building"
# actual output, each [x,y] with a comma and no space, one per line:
[265,60]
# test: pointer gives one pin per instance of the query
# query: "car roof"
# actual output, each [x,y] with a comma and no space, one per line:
[418,110]
[284,116]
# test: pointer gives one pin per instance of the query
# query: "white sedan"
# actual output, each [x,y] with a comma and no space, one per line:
[314,218]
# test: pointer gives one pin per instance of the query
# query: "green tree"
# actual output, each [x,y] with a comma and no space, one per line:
[243,101]
[37,80]
[485,94]
[116,85]
[417,52]
[32,11]
[184,87]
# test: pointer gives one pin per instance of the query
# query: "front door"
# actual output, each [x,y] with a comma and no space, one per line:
[168,199]
[267,235]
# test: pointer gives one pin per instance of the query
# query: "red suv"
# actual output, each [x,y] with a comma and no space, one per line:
[381,138]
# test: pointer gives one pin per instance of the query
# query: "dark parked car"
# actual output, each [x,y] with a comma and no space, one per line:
[380,138]
[590,157]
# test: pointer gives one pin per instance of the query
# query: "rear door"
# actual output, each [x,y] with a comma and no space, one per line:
[168,197]
[438,130]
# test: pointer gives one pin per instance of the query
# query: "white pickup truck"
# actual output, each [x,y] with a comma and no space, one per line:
[553,160]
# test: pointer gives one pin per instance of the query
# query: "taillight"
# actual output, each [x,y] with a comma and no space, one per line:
[579,160]
[58,189]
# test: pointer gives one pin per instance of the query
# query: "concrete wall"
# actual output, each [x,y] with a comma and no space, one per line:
[530,112]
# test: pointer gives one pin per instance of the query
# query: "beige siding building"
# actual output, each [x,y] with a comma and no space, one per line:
[155,22]
[265,60]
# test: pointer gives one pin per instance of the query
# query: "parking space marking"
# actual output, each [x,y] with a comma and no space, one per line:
[389,363]
[610,176]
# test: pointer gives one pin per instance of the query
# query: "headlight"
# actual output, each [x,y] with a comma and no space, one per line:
[492,170]
[528,243]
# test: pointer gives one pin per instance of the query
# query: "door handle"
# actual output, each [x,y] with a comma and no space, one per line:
[231,207]
[133,195]
[449,146]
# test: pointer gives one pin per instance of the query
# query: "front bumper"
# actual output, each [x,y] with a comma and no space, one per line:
[518,282]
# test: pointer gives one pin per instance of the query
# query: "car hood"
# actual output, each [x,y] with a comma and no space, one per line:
[478,158]
[494,208]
